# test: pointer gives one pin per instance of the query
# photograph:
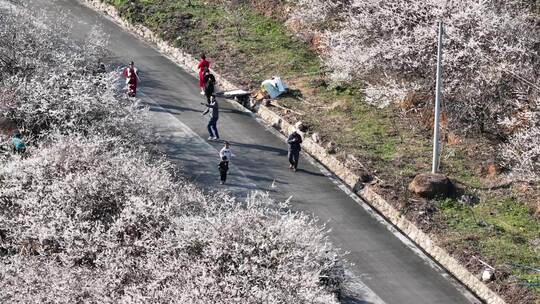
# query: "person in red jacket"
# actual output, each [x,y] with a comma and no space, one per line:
[132,78]
[203,65]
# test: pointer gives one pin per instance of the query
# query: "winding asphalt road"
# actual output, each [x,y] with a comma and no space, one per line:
[386,267]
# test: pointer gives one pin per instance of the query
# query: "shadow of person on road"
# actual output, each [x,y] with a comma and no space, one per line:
[279,151]
[234,111]
[258,178]
[310,172]
[243,186]
[164,108]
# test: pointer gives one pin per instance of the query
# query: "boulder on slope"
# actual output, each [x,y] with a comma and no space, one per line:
[431,185]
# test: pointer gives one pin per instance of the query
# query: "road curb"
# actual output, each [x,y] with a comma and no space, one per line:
[351,179]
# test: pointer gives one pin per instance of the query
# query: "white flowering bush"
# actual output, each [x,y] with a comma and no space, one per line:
[522,153]
[33,46]
[76,103]
[54,85]
[109,225]
[89,215]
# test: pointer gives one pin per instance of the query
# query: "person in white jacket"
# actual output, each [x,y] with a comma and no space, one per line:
[226,151]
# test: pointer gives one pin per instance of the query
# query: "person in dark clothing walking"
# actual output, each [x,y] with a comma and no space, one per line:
[209,85]
[294,142]
[223,168]
[213,108]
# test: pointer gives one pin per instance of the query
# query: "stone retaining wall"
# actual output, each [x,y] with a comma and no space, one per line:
[424,241]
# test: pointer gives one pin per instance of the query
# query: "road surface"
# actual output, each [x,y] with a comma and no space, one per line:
[386,266]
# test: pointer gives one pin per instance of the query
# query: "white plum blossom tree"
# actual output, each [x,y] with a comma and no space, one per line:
[53,85]
[522,151]
[491,56]
[309,17]
[489,47]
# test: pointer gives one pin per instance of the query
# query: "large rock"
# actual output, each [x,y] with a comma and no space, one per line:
[430,185]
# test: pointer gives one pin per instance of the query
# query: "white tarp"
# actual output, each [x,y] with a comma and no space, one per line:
[274,87]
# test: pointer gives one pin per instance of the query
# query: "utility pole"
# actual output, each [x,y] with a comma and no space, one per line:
[435,166]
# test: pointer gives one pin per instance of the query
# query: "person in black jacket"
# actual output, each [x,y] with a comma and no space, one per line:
[223,168]
[294,142]
[209,85]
